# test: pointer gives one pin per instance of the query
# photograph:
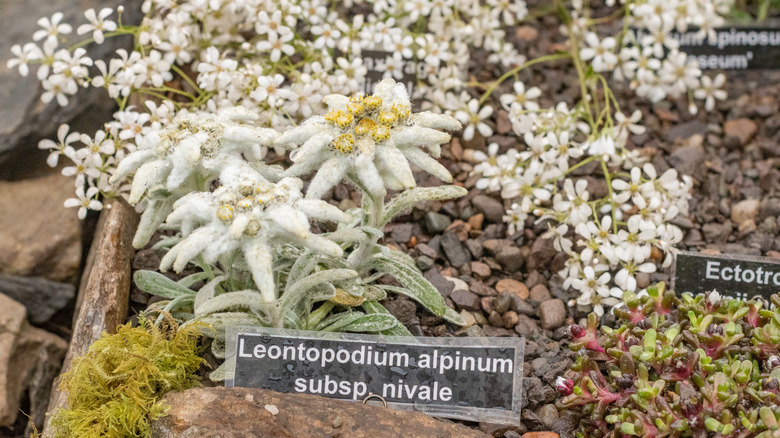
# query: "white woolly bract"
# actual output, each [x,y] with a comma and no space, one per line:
[329,174]
[147,175]
[428,119]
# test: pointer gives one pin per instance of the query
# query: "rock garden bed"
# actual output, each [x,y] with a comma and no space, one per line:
[500,269]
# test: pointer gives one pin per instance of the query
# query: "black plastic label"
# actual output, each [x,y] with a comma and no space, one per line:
[742,277]
[479,376]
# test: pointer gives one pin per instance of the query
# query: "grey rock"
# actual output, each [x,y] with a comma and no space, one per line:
[435,223]
[475,331]
[475,248]
[547,414]
[42,298]
[534,278]
[526,326]
[522,307]
[552,314]
[404,309]
[424,263]
[510,258]
[497,332]
[686,130]
[502,302]
[542,252]
[554,369]
[490,207]
[427,250]
[402,233]
[25,120]
[30,358]
[465,299]
[438,281]
[453,249]
[39,237]
[687,160]
[715,232]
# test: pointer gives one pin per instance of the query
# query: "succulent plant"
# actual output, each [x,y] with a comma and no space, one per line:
[705,366]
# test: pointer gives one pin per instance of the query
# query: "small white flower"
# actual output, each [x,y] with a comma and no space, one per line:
[472,115]
[600,53]
[85,201]
[97,24]
[52,28]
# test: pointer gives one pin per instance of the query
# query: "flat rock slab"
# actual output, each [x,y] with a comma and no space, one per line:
[42,298]
[30,358]
[38,235]
[250,412]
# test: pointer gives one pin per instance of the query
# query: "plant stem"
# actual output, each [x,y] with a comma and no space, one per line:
[505,76]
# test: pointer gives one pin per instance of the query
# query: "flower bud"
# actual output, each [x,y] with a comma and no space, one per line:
[564,386]
[576,331]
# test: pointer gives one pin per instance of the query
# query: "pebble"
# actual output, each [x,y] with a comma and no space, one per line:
[487,305]
[495,319]
[460,229]
[743,129]
[687,160]
[542,252]
[453,249]
[435,223]
[272,409]
[465,299]
[490,207]
[541,435]
[552,314]
[402,233]
[510,319]
[502,302]
[548,414]
[522,306]
[442,284]
[480,270]
[526,326]
[424,263]
[540,293]
[512,286]
[744,211]
[475,248]
[468,318]
[510,258]
[476,221]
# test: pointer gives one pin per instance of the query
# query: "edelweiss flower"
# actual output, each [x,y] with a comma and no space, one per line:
[369,141]
[250,216]
[191,152]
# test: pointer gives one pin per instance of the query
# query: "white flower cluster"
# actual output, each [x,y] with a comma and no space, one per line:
[608,240]
[650,57]
[277,58]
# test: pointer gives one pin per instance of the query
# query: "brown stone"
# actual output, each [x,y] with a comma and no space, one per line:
[105,286]
[552,314]
[39,237]
[744,211]
[540,293]
[541,435]
[527,33]
[480,270]
[513,286]
[476,221]
[247,413]
[743,129]
[29,361]
[510,319]
[460,228]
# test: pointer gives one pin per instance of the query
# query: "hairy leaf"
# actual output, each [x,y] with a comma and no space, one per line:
[406,200]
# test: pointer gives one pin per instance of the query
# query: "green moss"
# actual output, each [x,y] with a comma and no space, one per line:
[116,388]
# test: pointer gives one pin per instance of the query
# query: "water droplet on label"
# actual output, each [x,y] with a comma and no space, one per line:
[274,377]
[290,367]
[399,371]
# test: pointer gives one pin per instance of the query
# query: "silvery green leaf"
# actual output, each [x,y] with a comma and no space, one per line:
[371,323]
[250,300]
[157,284]
[294,292]
[453,317]
[215,323]
[218,348]
[218,375]
[401,257]
[356,215]
[178,303]
[415,286]
[194,278]
[208,291]
[305,263]
[404,201]
[166,242]
[374,293]
[151,219]
[335,322]
[373,307]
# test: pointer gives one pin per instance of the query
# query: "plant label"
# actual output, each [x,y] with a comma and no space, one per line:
[731,47]
[476,379]
[742,277]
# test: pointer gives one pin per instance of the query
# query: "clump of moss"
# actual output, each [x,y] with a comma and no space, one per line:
[116,389]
